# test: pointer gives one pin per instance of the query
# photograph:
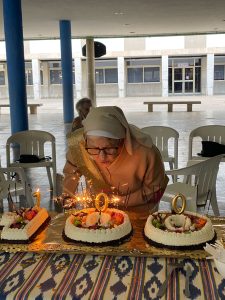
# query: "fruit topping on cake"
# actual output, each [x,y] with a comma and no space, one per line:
[98,220]
[23,217]
[178,223]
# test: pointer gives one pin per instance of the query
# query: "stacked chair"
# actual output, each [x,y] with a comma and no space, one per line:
[35,143]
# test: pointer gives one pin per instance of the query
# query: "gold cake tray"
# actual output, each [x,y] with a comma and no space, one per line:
[51,240]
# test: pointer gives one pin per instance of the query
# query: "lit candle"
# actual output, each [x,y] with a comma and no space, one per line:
[37,194]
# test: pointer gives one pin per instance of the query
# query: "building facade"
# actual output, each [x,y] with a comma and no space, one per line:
[132,67]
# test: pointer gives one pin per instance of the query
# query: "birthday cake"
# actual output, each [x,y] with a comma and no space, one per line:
[23,224]
[99,224]
[93,226]
[187,230]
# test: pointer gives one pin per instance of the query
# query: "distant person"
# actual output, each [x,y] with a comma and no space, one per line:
[111,153]
[83,106]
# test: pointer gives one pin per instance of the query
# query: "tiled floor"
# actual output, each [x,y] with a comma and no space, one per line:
[50,118]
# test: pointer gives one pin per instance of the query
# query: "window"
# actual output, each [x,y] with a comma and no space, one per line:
[106,71]
[111,76]
[99,76]
[143,70]
[41,77]
[28,73]
[106,75]
[184,62]
[135,75]
[2,74]
[143,74]
[151,74]
[55,72]
[2,77]
[219,72]
[55,77]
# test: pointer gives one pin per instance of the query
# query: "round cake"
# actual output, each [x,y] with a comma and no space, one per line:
[179,231]
[93,226]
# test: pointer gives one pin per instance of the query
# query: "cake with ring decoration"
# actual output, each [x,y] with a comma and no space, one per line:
[98,225]
[179,229]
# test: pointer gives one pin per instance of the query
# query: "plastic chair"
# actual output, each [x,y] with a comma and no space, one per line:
[160,136]
[17,184]
[35,142]
[198,185]
[214,133]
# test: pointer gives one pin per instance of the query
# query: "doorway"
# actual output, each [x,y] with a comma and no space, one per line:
[184,78]
[183,82]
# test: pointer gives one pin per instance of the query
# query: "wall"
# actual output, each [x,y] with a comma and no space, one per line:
[145,89]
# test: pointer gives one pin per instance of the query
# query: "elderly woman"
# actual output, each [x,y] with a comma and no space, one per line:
[115,156]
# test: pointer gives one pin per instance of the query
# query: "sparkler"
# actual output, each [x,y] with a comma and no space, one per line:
[85,197]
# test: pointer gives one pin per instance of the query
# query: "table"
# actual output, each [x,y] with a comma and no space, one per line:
[68,276]
[171,103]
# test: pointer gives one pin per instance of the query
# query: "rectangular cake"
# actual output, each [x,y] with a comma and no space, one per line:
[21,226]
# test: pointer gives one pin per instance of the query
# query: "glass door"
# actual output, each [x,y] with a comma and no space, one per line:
[178,80]
[188,80]
[183,80]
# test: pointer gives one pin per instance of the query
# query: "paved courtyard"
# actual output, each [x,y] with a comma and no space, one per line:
[50,118]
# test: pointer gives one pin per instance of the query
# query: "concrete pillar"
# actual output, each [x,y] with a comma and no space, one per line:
[210,74]
[164,76]
[78,76]
[12,14]
[67,70]
[36,78]
[121,77]
[91,87]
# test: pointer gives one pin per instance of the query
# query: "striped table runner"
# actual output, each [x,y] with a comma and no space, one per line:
[67,276]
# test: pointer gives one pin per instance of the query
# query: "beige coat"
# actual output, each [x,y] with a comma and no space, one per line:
[136,178]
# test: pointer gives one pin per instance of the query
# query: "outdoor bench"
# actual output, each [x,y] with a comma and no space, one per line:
[32,106]
[170,104]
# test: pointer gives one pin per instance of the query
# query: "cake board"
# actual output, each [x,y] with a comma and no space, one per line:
[51,240]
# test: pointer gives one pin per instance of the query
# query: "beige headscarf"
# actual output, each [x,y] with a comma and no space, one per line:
[111,119]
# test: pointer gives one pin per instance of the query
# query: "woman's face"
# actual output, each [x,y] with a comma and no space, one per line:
[103,150]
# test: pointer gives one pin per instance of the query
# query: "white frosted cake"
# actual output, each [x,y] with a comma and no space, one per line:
[92,226]
[178,231]
[7,218]
[22,224]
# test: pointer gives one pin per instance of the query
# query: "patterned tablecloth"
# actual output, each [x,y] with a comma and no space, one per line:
[69,276]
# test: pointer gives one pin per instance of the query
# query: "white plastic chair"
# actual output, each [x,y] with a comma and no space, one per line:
[214,133]
[37,142]
[161,136]
[198,184]
[17,184]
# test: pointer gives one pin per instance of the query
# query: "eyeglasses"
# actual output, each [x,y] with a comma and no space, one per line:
[107,151]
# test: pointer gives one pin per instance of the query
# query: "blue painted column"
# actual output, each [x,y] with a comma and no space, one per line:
[67,70]
[15,63]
